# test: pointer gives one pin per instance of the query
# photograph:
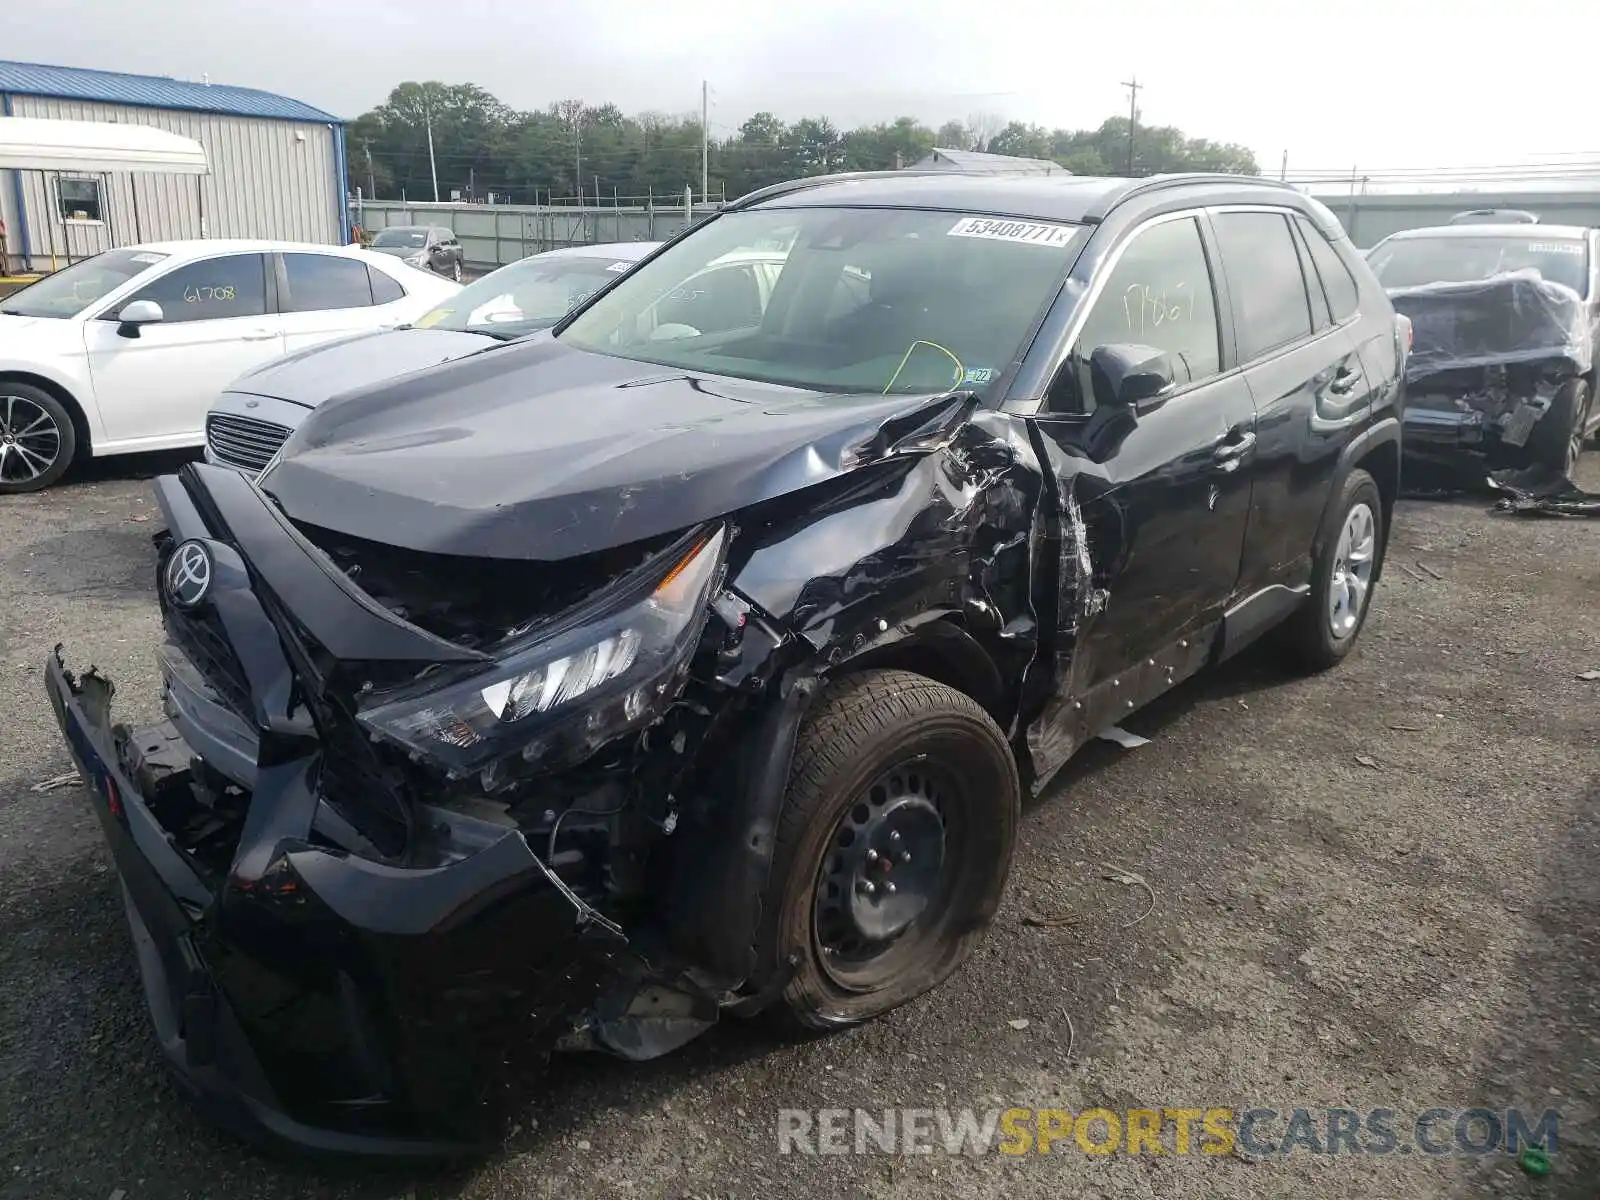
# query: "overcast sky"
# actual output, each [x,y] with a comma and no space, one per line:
[1379,83]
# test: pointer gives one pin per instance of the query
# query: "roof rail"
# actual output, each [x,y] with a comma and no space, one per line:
[806,182]
[1155,183]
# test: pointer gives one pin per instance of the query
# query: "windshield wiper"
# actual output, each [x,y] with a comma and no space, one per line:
[12,312]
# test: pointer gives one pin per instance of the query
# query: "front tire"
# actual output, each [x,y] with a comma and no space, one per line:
[37,439]
[892,848]
[455,272]
[1348,553]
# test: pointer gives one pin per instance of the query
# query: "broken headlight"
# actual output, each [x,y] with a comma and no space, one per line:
[578,685]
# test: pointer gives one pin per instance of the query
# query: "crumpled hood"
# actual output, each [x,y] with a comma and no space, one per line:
[312,375]
[537,451]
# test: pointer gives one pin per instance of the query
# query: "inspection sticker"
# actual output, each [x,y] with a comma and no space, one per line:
[619,267]
[146,258]
[1555,247]
[1032,233]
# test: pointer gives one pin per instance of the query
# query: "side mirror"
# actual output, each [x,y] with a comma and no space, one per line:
[137,313]
[1127,375]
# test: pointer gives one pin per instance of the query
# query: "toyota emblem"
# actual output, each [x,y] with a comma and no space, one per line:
[189,574]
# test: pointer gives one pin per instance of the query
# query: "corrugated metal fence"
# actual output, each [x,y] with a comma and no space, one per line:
[492,235]
[1371,218]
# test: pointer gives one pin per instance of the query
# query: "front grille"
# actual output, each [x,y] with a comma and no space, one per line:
[200,635]
[243,442]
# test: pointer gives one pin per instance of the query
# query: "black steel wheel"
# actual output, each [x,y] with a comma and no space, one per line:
[37,438]
[892,849]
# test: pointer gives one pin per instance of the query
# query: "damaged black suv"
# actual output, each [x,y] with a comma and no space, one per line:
[694,656]
[1506,319]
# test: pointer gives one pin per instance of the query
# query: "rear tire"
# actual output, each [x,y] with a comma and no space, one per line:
[37,439]
[1558,438]
[1347,555]
[891,851]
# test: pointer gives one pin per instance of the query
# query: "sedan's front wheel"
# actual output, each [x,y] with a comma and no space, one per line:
[37,438]
[892,849]
[455,271]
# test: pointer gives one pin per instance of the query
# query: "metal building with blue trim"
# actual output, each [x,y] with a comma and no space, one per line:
[277,167]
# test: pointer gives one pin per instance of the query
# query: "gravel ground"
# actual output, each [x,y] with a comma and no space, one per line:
[1377,888]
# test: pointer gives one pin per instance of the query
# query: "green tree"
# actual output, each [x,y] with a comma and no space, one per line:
[571,147]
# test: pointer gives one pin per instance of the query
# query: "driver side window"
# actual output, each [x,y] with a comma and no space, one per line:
[213,289]
[1159,295]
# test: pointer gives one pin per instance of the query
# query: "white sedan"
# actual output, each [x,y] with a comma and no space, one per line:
[125,351]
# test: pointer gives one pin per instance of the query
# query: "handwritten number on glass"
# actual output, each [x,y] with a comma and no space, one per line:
[1145,308]
[200,295]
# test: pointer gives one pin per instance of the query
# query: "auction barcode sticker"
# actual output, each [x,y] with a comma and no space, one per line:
[994,229]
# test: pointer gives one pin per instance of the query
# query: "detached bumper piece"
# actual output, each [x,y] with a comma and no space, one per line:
[308,994]
[1542,493]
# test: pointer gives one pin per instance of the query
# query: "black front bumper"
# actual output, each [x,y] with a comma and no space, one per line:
[317,998]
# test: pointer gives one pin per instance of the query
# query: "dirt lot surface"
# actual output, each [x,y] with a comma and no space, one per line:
[1374,889]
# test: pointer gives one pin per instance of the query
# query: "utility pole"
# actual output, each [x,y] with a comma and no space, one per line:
[433,167]
[575,111]
[1133,85]
[372,187]
[1283,171]
[705,139]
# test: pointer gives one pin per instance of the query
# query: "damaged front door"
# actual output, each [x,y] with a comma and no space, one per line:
[1158,484]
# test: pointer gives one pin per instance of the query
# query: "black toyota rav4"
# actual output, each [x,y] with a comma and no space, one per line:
[695,656]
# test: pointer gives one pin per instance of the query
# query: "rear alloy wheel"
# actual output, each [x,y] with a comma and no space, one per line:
[37,439]
[892,848]
[1344,567]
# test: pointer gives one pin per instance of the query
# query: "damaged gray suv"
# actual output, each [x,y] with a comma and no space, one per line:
[694,657]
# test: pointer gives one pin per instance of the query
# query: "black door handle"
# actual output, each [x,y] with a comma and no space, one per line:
[1344,381]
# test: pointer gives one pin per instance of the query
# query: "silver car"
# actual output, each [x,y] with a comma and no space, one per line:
[259,410]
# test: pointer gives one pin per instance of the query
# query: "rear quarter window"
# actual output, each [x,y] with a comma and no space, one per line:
[1337,283]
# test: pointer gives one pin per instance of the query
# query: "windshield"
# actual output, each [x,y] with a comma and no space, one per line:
[72,289]
[526,296]
[1414,262]
[841,300]
[407,238]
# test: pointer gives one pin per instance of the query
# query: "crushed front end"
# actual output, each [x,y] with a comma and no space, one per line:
[1488,368]
[384,848]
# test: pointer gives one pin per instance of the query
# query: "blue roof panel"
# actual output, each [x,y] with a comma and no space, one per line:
[153,91]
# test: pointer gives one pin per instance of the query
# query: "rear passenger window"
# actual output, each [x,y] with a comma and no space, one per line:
[385,289]
[1270,306]
[1159,295]
[1337,282]
[321,281]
